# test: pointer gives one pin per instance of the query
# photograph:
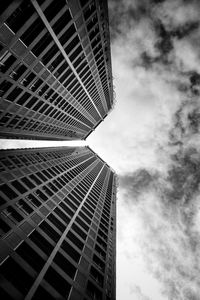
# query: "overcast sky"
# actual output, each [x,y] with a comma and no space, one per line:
[151,139]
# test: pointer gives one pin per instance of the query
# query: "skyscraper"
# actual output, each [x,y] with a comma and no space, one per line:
[55,67]
[58,224]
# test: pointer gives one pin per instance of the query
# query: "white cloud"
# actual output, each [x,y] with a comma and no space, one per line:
[133,278]
[187,56]
[142,117]
[157,230]
[157,241]
[175,13]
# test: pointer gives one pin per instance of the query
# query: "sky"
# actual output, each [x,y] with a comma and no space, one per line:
[151,139]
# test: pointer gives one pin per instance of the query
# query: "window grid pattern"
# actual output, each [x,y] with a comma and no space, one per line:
[99,38]
[30,36]
[40,94]
[67,219]
[95,43]
[73,40]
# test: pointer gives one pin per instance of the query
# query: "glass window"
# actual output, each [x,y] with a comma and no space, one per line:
[66,209]
[75,240]
[32,32]
[82,224]
[49,231]
[53,9]
[17,19]
[29,77]
[79,231]
[31,102]
[23,98]
[98,262]
[12,214]
[22,205]
[100,252]
[18,71]
[41,242]
[41,195]
[15,274]
[62,21]
[8,191]
[33,200]
[65,265]
[83,2]
[41,293]
[96,276]
[4,227]
[102,243]
[35,85]
[93,291]
[58,282]
[57,60]
[62,215]
[35,179]
[56,222]
[19,186]
[70,203]
[67,34]
[70,251]
[50,53]
[4,87]
[30,256]
[40,175]
[27,182]
[42,44]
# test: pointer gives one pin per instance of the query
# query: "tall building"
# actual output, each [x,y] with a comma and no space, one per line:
[55,68]
[58,225]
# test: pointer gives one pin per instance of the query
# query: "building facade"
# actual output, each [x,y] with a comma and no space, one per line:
[58,225]
[55,68]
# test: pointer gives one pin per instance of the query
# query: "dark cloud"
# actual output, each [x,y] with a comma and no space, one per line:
[182,31]
[178,128]
[194,121]
[164,43]
[127,15]
[122,13]
[184,177]
[195,83]
[172,243]
[168,201]
[158,1]
[170,215]
[137,182]
[147,60]
[195,79]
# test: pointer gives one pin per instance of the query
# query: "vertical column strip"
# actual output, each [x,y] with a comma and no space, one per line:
[44,19]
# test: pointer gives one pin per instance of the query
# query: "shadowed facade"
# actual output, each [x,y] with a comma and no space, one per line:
[55,67]
[58,224]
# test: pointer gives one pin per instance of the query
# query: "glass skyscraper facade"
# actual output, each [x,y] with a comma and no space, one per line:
[55,68]
[58,224]
[57,204]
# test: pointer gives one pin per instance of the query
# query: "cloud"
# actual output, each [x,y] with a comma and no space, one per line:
[169,235]
[155,146]
[136,290]
[152,140]
[152,74]
[138,182]
[177,14]
[167,207]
